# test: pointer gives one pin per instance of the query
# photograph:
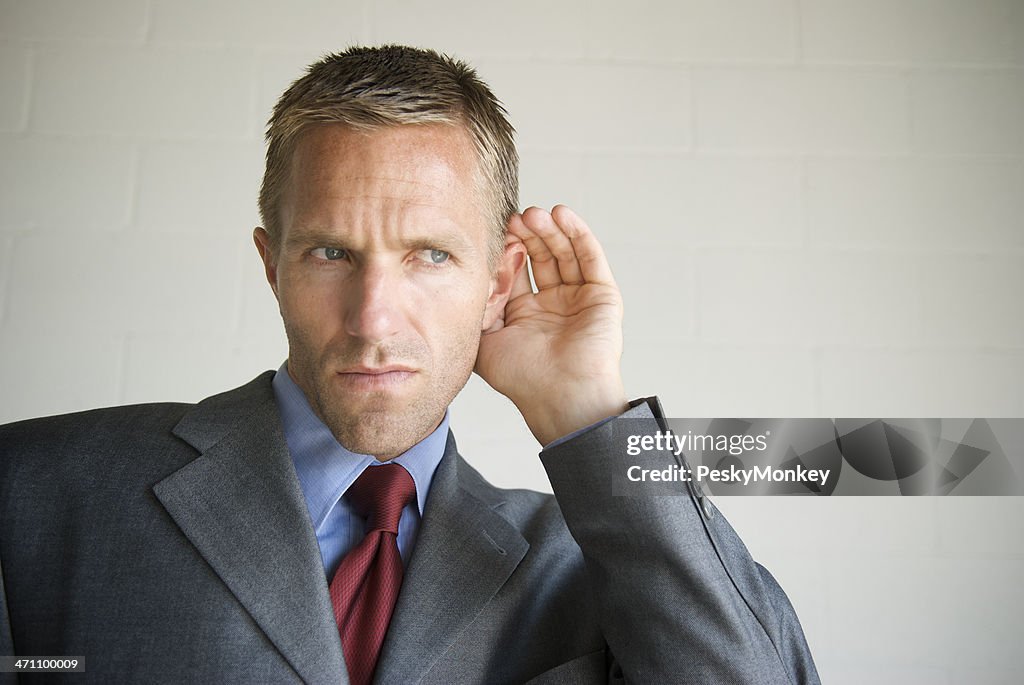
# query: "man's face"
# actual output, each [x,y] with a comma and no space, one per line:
[382,278]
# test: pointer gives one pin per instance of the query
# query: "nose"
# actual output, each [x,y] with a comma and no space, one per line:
[373,303]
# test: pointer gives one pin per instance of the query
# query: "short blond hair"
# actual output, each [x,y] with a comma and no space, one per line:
[368,88]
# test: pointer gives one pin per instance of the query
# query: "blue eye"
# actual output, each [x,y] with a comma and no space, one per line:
[438,256]
[330,253]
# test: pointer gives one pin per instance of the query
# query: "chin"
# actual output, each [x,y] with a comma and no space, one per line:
[381,434]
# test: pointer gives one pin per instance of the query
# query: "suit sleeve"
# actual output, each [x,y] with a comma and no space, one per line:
[679,597]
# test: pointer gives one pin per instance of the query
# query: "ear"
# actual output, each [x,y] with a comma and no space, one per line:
[508,271]
[266,250]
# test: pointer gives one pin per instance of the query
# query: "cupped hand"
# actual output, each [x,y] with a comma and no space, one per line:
[556,351]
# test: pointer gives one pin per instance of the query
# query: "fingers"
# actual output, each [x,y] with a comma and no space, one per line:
[542,261]
[555,262]
[589,254]
[562,249]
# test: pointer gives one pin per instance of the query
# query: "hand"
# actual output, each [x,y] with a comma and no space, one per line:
[555,353]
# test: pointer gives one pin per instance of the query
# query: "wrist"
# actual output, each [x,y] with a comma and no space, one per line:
[554,415]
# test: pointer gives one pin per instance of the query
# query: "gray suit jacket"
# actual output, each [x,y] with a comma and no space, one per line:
[171,543]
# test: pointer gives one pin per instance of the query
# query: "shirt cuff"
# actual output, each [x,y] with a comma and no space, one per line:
[651,402]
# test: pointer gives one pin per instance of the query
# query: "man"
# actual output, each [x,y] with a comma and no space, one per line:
[233,540]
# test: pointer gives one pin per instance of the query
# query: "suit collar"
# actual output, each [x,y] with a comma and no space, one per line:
[241,506]
[464,554]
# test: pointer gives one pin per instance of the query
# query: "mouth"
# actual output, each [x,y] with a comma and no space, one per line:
[380,377]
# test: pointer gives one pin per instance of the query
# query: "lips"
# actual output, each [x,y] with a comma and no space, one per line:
[376,378]
[379,370]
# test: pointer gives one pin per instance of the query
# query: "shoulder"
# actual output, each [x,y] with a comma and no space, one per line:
[72,450]
[144,439]
[130,423]
[96,427]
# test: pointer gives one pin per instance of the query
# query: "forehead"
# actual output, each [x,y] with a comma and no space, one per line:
[425,158]
[383,182]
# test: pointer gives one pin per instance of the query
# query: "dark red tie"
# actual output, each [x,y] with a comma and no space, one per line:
[365,586]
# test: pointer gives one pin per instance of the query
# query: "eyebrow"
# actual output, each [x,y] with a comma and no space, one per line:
[320,237]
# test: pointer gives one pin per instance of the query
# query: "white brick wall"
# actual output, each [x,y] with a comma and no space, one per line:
[964,203]
[82,183]
[814,207]
[6,250]
[174,179]
[148,92]
[73,20]
[806,109]
[970,111]
[755,31]
[258,24]
[526,29]
[982,32]
[691,200]
[586,106]
[889,380]
[14,81]
[60,371]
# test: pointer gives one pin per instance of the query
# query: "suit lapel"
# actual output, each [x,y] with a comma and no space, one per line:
[241,506]
[464,553]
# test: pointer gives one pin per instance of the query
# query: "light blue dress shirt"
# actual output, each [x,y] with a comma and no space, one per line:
[326,470]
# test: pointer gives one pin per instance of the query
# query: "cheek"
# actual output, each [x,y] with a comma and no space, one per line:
[461,303]
[310,304]
[450,315]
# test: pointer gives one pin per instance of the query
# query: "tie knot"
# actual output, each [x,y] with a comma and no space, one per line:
[380,493]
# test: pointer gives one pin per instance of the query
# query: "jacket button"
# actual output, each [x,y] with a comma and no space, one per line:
[709,511]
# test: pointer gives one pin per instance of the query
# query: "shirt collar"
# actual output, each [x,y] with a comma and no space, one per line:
[326,469]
